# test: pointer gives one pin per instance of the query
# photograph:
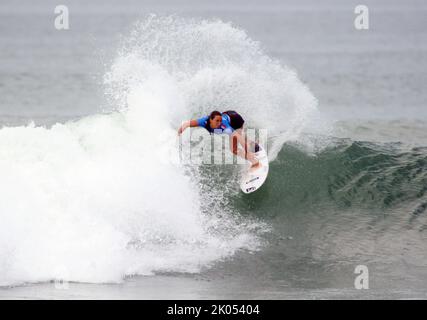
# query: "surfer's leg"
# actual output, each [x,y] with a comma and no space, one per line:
[248,144]
[250,148]
[237,139]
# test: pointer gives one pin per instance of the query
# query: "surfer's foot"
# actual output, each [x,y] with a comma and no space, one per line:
[255,166]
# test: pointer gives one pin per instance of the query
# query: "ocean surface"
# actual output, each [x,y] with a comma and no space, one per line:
[93,203]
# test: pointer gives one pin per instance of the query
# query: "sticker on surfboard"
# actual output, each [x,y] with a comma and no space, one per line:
[252,180]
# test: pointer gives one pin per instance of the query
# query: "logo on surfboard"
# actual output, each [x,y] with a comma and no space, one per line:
[252,180]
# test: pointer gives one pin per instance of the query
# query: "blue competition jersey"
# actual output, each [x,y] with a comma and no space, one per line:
[225,126]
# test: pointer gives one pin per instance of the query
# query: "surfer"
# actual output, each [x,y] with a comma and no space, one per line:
[231,123]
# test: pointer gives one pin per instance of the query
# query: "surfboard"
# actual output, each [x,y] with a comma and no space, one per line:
[253,180]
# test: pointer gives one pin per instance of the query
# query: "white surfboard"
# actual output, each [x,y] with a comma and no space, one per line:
[253,180]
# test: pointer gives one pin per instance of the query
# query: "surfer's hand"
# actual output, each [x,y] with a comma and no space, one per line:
[256,164]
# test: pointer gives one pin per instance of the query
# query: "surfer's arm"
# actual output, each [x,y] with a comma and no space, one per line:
[186,124]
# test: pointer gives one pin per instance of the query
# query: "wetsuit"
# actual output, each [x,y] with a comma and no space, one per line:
[231,121]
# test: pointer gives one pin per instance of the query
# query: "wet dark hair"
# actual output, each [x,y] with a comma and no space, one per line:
[236,120]
[214,114]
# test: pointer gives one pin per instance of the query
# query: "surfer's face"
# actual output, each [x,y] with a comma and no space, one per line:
[215,122]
